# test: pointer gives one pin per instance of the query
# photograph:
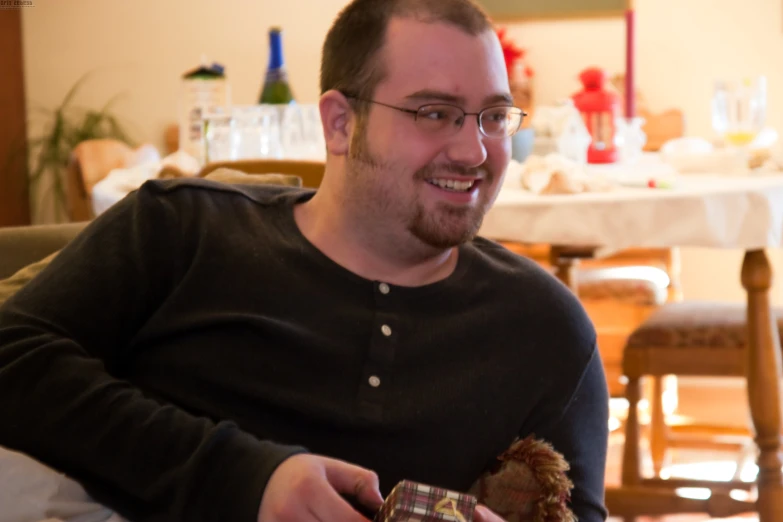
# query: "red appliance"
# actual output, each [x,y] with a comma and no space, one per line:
[599,108]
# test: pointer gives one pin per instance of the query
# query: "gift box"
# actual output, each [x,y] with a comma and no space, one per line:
[414,502]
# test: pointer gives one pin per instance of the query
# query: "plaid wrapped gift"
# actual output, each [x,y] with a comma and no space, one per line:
[413,502]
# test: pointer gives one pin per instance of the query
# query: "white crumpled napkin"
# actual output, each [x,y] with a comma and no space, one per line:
[555,174]
[700,156]
[148,165]
[697,155]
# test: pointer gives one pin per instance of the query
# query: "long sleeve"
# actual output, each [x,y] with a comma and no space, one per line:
[64,342]
[581,435]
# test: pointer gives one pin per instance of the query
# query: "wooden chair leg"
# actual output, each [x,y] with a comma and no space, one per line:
[764,373]
[632,462]
[746,456]
[565,268]
[658,430]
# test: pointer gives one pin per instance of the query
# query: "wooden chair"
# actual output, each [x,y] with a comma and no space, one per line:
[695,339]
[311,172]
[687,339]
[661,127]
[171,139]
[90,162]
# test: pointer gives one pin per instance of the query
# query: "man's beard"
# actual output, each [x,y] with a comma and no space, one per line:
[445,227]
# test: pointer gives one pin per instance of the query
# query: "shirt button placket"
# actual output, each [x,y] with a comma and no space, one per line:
[381,355]
[386,330]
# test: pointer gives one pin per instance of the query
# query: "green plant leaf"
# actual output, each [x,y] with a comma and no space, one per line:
[118,132]
[75,88]
[66,126]
[112,101]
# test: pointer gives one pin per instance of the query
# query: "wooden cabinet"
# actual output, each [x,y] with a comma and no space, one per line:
[14,198]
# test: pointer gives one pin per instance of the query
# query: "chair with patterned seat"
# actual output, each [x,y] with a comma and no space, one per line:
[695,339]
[689,338]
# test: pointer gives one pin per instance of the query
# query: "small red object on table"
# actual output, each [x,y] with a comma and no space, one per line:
[414,502]
[599,108]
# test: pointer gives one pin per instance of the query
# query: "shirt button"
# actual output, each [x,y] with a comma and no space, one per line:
[384,288]
[375,381]
[386,330]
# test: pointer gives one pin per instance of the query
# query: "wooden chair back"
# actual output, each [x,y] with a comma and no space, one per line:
[311,172]
[90,162]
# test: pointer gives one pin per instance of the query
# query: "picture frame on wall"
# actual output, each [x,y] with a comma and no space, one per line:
[528,10]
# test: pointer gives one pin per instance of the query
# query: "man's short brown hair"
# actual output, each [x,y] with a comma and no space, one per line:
[350,62]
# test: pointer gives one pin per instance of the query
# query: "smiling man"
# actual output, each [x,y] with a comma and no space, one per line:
[212,352]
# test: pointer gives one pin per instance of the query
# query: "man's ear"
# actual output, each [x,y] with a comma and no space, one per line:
[338,121]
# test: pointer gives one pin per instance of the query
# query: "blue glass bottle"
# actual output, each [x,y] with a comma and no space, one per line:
[276,89]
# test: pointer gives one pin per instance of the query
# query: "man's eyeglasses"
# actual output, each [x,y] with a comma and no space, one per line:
[444,120]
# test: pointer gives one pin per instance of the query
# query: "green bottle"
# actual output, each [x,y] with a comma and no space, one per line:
[276,89]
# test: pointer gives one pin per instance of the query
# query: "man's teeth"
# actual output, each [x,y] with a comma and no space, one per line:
[450,184]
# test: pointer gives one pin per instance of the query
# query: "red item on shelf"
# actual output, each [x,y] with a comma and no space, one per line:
[599,108]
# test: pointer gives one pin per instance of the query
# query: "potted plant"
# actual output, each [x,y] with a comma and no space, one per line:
[67,125]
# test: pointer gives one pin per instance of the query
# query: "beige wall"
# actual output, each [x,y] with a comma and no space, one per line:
[144,45]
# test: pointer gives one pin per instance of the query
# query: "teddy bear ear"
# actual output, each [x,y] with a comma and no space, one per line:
[530,484]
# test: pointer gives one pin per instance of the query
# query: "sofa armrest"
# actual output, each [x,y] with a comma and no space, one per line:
[21,246]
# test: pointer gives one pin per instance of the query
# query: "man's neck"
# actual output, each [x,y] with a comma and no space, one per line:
[373,254]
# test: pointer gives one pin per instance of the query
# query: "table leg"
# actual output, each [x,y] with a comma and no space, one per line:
[565,267]
[763,383]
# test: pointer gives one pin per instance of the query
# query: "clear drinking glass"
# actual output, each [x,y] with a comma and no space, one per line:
[255,133]
[292,132]
[302,133]
[217,135]
[739,109]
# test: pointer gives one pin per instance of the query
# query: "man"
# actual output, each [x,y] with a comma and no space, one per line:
[208,352]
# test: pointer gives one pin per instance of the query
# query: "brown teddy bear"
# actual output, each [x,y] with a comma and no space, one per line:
[528,484]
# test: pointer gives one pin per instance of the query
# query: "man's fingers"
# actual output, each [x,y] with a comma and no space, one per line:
[368,492]
[328,506]
[353,480]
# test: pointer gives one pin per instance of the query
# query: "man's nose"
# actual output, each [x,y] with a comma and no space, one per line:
[467,146]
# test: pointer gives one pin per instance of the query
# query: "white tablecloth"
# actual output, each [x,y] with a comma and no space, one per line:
[699,211]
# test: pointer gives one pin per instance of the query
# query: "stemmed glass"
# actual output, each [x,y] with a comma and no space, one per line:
[739,109]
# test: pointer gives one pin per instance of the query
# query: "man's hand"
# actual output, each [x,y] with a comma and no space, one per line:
[484,514]
[307,488]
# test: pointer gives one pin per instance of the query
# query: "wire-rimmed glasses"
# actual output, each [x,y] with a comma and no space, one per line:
[444,120]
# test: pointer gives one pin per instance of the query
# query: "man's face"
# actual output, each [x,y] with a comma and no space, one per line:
[436,187]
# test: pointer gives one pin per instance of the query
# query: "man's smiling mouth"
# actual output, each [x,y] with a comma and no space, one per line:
[453,185]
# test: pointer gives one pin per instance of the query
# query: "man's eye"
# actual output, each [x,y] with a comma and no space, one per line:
[498,116]
[436,115]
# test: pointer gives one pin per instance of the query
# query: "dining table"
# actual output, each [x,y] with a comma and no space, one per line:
[694,210]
